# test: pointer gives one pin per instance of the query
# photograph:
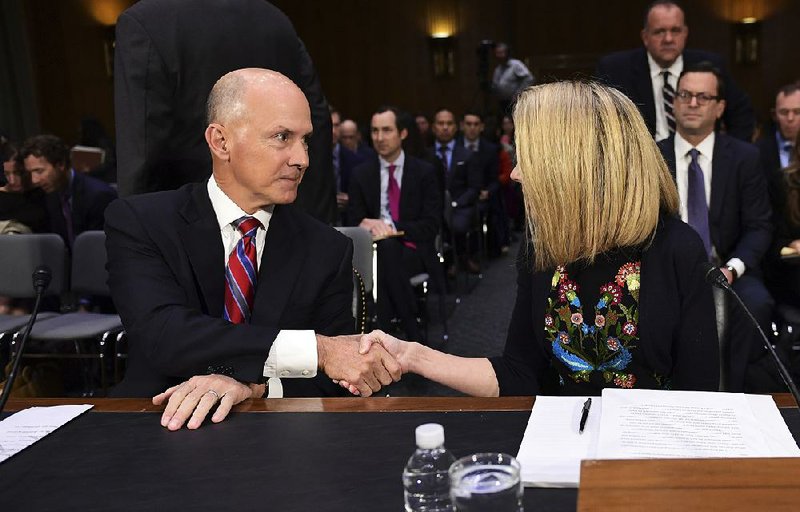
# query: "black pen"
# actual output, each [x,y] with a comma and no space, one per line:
[585,414]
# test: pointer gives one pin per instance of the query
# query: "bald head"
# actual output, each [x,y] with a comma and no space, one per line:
[348,134]
[227,98]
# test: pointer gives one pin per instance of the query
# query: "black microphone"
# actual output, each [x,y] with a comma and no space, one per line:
[41,280]
[714,276]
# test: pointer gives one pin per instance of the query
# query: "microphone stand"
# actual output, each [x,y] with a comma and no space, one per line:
[41,280]
[715,277]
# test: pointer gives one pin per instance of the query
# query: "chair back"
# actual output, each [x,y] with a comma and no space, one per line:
[89,275]
[362,253]
[20,255]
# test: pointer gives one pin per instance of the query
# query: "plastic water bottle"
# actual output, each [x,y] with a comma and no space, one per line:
[425,478]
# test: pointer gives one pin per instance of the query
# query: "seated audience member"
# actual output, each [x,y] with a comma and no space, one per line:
[459,174]
[424,129]
[224,284]
[724,198]
[611,292]
[397,192]
[512,192]
[75,202]
[352,153]
[21,205]
[649,75]
[487,158]
[783,278]
[776,143]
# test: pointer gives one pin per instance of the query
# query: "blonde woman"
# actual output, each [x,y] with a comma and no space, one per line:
[610,291]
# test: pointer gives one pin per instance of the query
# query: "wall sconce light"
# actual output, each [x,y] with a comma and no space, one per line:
[747,41]
[443,56]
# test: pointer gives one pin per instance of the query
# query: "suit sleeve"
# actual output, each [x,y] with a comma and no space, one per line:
[425,226]
[696,345]
[142,104]
[177,339]
[755,212]
[357,203]
[317,193]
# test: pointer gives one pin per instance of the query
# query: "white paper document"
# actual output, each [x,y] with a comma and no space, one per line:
[643,424]
[24,428]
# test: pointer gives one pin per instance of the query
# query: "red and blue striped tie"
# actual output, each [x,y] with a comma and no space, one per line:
[241,275]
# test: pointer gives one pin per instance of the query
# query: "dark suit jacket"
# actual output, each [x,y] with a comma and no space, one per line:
[629,72]
[488,161]
[676,318]
[166,273]
[463,179]
[420,204]
[169,54]
[739,212]
[90,197]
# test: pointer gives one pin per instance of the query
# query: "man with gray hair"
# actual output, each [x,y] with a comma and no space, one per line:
[510,77]
[225,289]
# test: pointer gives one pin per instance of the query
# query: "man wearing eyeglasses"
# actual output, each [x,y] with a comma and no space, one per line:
[723,196]
[648,75]
[776,144]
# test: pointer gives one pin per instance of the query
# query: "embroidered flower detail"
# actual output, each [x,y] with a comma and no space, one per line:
[603,302]
[548,321]
[587,329]
[611,292]
[567,290]
[628,269]
[563,338]
[629,328]
[557,276]
[625,380]
[599,321]
[612,343]
[612,317]
[564,313]
[576,318]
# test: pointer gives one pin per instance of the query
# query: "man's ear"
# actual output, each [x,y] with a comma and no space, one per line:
[216,137]
[403,134]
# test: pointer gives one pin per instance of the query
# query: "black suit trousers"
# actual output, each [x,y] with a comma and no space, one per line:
[397,263]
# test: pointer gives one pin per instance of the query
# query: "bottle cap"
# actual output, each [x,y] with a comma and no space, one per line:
[430,436]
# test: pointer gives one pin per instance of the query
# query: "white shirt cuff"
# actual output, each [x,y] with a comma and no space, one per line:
[738,265]
[293,356]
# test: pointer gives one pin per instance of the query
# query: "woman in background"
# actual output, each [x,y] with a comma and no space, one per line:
[610,289]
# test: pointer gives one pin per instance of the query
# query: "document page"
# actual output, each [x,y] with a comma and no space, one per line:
[552,448]
[24,428]
[678,424]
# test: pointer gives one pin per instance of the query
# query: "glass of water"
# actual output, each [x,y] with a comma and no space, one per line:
[486,481]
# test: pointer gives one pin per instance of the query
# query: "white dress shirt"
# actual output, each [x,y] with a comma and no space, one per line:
[705,160]
[386,213]
[657,79]
[293,353]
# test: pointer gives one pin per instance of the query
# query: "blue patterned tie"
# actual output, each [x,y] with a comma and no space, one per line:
[696,204]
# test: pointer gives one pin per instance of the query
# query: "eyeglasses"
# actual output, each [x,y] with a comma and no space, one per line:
[784,112]
[701,97]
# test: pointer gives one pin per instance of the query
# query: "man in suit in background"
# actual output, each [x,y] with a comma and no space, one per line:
[224,284]
[648,76]
[75,202]
[723,195]
[458,174]
[777,141]
[487,157]
[397,193]
[169,53]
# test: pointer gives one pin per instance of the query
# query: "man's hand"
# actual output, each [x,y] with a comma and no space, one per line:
[341,200]
[377,227]
[194,398]
[340,359]
[728,274]
[484,195]
[395,347]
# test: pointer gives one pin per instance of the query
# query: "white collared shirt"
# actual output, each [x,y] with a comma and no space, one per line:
[294,352]
[705,160]
[662,129]
[386,214]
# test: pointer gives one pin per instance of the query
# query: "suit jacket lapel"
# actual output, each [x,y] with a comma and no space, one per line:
[281,262]
[203,243]
[720,175]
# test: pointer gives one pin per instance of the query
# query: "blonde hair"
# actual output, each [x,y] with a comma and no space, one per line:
[592,176]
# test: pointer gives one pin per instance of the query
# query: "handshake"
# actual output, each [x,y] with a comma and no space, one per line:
[363,364]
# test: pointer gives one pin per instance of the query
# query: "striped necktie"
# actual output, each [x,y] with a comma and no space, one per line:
[668,94]
[241,274]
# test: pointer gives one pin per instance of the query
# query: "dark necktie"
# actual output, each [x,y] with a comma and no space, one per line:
[66,211]
[473,146]
[336,172]
[668,94]
[241,275]
[696,204]
[443,156]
